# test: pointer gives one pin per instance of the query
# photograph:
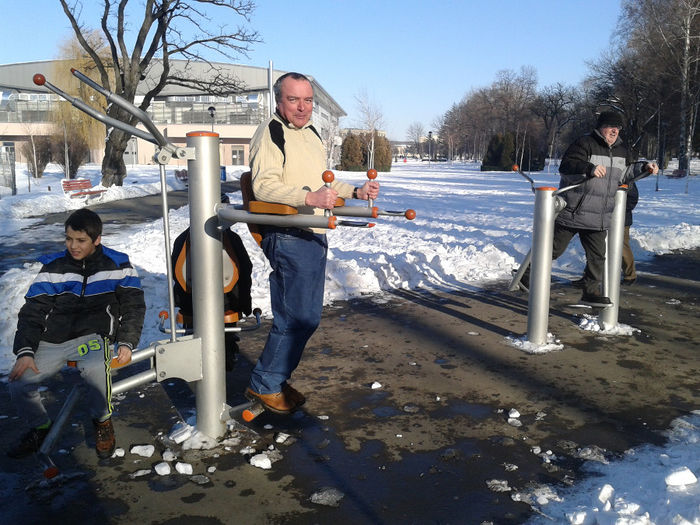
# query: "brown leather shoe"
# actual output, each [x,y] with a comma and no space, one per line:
[278,402]
[293,394]
[105,442]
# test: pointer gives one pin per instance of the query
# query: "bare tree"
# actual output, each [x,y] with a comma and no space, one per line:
[445,137]
[371,120]
[513,94]
[162,34]
[555,106]
[670,31]
[330,135]
[415,134]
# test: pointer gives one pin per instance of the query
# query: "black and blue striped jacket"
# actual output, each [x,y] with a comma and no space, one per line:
[100,294]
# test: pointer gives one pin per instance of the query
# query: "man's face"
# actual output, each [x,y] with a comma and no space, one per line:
[296,101]
[79,244]
[610,134]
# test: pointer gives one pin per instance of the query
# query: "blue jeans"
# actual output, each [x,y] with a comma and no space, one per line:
[298,261]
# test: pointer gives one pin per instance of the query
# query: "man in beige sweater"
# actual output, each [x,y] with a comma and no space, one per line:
[287,159]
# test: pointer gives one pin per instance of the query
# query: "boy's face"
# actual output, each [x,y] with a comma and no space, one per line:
[79,244]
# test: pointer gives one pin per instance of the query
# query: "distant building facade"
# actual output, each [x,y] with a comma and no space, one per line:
[25,109]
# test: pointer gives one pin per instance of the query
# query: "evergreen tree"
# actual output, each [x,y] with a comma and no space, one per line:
[351,155]
[500,153]
[382,153]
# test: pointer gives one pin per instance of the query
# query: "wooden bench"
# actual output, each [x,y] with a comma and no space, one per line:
[76,188]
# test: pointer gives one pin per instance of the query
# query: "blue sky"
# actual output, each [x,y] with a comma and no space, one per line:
[412,59]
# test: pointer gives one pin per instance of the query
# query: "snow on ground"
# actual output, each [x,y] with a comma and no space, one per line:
[472,228]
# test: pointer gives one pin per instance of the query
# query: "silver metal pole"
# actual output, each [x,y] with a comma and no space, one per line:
[168,256]
[270,82]
[141,355]
[613,259]
[207,271]
[61,420]
[229,215]
[142,378]
[541,269]
[515,283]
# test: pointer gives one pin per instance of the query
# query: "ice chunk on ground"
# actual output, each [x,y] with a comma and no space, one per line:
[199,479]
[327,496]
[145,451]
[162,468]
[139,473]
[199,441]
[183,468]
[680,477]
[261,461]
[181,432]
[498,485]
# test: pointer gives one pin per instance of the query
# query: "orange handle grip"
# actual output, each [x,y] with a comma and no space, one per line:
[116,364]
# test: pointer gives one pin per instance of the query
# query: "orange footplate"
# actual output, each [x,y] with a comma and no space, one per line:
[249,414]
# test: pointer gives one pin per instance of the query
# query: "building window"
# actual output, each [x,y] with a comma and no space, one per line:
[237,156]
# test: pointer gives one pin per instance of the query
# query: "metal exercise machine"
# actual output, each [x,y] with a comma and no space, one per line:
[198,357]
[548,204]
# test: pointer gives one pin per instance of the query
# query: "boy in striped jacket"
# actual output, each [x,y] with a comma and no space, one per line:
[85,301]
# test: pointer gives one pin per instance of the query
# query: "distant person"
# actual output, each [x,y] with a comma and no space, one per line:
[287,159]
[236,292]
[85,300]
[629,272]
[598,161]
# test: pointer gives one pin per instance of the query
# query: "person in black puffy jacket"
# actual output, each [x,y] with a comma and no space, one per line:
[84,301]
[597,163]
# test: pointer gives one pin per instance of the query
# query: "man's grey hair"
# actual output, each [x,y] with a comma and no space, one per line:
[277,87]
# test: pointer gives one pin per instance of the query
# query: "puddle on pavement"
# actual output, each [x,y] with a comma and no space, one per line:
[462,408]
[436,485]
[386,411]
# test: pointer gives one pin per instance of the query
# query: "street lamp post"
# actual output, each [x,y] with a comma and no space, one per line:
[430,147]
[212,114]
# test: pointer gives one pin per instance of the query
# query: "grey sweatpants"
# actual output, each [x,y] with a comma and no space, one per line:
[92,357]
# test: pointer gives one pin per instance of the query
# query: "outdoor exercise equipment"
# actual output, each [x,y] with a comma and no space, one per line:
[371,210]
[198,357]
[548,204]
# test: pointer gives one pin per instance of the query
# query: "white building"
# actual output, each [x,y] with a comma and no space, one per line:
[25,109]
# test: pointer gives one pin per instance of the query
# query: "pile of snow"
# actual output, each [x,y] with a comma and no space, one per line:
[650,485]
